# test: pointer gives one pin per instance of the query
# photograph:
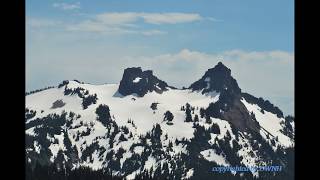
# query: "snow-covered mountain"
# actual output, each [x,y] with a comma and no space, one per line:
[143,127]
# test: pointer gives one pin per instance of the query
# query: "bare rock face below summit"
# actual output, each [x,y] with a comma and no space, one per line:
[228,107]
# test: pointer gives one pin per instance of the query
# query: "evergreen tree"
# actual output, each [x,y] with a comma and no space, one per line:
[208,120]
[157,132]
[196,118]
[103,113]
[202,112]
[215,128]
[168,116]
[188,113]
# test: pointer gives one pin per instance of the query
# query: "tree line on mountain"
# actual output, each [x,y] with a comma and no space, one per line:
[189,110]
[175,166]
[264,104]
[52,172]
[179,164]
[87,99]
[65,82]
[38,90]
[287,129]
[29,114]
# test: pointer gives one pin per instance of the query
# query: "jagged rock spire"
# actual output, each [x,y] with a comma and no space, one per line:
[217,79]
[136,81]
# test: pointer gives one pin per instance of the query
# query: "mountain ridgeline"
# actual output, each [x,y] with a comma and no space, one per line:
[143,128]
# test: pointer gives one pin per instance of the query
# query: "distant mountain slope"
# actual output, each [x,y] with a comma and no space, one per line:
[143,127]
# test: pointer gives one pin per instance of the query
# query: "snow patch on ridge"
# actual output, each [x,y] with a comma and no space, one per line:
[270,122]
[211,155]
[137,79]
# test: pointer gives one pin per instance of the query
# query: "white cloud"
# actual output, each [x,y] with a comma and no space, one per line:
[213,19]
[118,23]
[279,56]
[41,22]
[66,6]
[231,56]
[90,26]
[127,22]
[153,32]
[170,18]
[151,18]
[115,18]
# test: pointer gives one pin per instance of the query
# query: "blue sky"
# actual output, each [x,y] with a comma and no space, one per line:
[93,41]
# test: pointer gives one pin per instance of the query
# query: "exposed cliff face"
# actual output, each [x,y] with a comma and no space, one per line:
[228,107]
[136,81]
[217,79]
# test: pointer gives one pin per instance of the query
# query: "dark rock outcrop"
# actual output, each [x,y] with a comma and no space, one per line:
[136,81]
[228,107]
[217,79]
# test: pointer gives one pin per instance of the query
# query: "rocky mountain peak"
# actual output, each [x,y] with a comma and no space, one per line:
[136,81]
[217,79]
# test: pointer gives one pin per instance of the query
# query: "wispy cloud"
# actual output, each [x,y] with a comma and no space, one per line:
[151,18]
[127,22]
[170,18]
[153,32]
[120,23]
[213,19]
[67,6]
[90,26]
[41,22]
[230,57]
